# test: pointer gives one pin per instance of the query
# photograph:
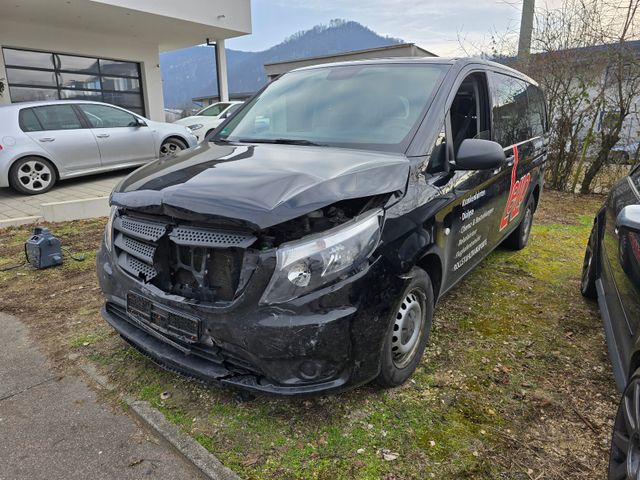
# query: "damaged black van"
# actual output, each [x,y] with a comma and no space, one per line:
[302,247]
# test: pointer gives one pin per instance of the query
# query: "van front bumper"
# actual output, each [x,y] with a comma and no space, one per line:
[327,341]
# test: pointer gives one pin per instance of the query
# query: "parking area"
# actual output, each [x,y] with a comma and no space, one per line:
[515,384]
[71,198]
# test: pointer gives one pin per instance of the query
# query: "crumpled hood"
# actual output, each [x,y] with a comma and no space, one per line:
[262,184]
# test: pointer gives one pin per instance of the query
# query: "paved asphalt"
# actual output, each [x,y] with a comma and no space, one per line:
[53,427]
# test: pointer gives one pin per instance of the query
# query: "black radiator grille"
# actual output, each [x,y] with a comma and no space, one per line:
[190,261]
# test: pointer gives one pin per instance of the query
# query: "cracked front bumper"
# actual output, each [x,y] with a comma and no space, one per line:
[327,341]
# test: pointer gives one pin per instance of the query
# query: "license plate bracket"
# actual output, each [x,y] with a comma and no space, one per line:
[163,319]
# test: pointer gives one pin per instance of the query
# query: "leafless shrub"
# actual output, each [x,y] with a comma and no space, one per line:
[590,74]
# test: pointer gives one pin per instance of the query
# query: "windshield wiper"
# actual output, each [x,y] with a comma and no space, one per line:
[282,141]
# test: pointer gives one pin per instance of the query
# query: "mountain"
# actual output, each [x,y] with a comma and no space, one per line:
[191,72]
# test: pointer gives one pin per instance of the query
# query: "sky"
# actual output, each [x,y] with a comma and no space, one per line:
[434,25]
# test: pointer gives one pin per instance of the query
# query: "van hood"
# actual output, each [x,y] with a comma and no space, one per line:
[259,184]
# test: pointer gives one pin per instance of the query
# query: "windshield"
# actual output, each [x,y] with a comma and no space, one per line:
[373,107]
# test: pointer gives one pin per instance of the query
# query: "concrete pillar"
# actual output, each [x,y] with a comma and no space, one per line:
[221,68]
[5,99]
[526,28]
[152,82]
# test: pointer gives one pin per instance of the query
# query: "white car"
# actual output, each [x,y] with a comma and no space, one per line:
[42,142]
[207,119]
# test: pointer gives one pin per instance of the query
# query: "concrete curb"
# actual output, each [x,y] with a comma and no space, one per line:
[16,222]
[75,209]
[203,460]
[63,212]
[153,419]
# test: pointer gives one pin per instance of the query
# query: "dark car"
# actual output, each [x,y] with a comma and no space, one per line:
[302,248]
[611,273]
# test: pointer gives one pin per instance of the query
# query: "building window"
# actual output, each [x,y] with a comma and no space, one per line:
[52,76]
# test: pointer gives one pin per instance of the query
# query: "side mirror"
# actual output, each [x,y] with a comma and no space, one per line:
[224,115]
[140,122]
[629,218]
[477,154]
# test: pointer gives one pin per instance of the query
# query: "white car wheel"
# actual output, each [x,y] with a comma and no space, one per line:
[171,146]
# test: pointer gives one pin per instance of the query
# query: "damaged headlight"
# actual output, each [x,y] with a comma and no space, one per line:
[307,264]
[108,229]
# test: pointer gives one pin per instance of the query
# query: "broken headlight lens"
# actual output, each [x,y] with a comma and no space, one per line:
[108,229]
[308,264]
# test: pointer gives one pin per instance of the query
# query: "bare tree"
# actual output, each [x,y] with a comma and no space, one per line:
[590,76]
[568,78]
[619,83]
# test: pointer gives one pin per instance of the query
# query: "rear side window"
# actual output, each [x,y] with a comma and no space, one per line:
[101,116]
[57,117]
[28,121]
[510,110]
[537,111]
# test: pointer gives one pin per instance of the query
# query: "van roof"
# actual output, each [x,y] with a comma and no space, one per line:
[459,62]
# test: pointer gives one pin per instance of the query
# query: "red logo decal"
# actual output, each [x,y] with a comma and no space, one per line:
[517,192]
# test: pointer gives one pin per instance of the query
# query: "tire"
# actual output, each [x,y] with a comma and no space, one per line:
[624,456]
[588,279]
[171,146]
[32,175]
[401,354]
[519,238]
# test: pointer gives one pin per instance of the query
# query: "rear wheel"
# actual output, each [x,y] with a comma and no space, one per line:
[520,236]
[32,175]
[171,146]
[624,458]
[408,333]
[588,280]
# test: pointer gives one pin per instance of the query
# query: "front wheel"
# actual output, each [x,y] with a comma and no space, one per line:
[588,280]
[624,458]
[519,238]
[408,332]
[171,146]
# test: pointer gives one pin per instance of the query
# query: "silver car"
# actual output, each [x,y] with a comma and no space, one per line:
[42,142]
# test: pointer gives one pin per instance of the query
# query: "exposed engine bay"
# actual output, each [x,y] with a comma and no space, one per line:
[318,221]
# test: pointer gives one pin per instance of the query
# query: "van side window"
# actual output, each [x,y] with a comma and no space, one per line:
[510,122]
[469,110]
[537,111]
[438,155]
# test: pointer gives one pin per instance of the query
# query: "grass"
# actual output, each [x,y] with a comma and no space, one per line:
[515,383]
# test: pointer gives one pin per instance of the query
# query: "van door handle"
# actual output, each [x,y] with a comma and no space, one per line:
[47,139]
[102,135]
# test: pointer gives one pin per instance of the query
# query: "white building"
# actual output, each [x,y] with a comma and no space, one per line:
[107,50]
[274,70]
